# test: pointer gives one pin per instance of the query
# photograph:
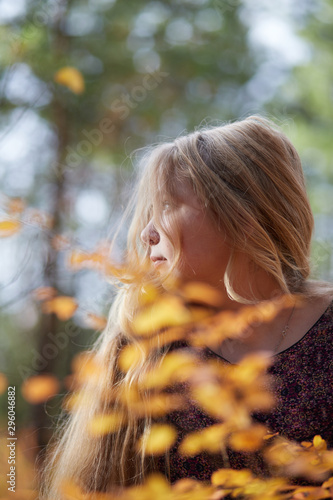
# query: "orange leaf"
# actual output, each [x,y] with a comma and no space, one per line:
[71,78]
[230,478]
[86,367]
[148,294]
[64,307]
[3,383]
[249,439]
[71,491]
[9,227]
[80,260]
[159,439]
[130,356]
[210,439]
[104,424]
[168,311]
[200,292]
[39,388]
[319,443]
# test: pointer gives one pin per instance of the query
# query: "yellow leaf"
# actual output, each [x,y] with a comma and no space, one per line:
[104,424]
[81,260]
[200,292]
[249,439]
[186,485]
[319,443]
[159,439]
[157,405]
[230,478]
[210,439]
[130,356]
[328,483]
[72,491]
[86,367]
[168,311]
[64,307]
[3,383]
[175,367]
[148,294]
[39,388]
[71,78]
[9,227]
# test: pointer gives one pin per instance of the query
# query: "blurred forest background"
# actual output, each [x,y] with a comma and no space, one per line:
[83,84]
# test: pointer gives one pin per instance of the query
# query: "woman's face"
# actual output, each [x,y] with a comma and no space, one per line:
[204,250]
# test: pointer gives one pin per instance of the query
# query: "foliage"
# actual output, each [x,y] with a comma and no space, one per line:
[97,80]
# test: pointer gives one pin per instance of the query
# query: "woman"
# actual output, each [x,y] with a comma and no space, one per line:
[225,206]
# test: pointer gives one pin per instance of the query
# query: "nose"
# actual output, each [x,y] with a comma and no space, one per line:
[149,235]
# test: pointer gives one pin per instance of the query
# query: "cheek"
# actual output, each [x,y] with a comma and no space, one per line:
[203,246]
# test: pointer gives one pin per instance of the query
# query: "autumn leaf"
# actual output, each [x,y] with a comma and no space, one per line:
[319,443]
[157,405]
[81,260]
[328,483]
[9,227]
[104,424]
[71,491]
[64,307]
[230,478]
[87,368]
[200,292]
[71,78]
[3,383]
[39,388]
[158,440]
[248,439]
[176,366]
[167,311]
[148,294]
[210,439]
[130,356]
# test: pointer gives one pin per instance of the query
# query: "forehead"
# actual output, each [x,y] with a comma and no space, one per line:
[170,179]
[181,193]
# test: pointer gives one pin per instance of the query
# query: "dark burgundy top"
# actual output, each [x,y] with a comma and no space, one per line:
[303,386]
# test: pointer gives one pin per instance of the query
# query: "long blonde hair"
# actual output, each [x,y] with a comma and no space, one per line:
[249,177]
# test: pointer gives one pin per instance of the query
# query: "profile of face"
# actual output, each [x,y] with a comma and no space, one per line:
[204,248]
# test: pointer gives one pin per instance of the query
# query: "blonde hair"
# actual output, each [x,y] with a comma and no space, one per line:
[249,177]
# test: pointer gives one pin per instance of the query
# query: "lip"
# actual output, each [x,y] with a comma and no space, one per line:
[157,260]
